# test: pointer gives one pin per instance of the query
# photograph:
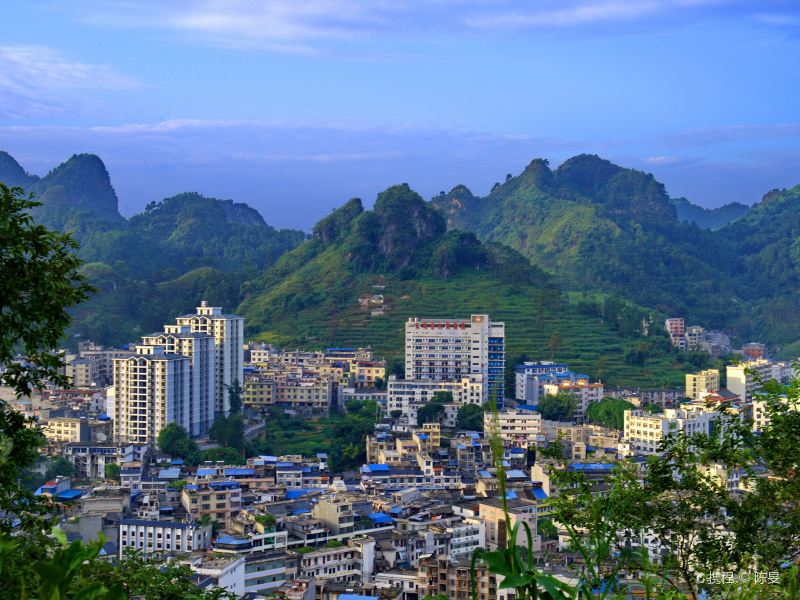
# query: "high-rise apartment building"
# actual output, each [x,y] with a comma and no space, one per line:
[746,378]
[450,349]
[228,333]
[151,390]
[200,349]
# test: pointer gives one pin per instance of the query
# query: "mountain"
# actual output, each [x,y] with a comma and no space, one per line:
[599,226]
[708,218]
[159,262]
[364,272]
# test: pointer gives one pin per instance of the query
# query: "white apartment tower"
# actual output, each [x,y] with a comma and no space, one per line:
[450,349]
[200,349]
[228,334]
[152,390]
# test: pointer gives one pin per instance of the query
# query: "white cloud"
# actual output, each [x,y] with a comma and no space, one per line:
[37,81]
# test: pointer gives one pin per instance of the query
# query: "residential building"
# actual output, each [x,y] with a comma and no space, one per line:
[219,500]
[162,537]
[644,430]
[702,383]
[151,390]
[403,392]
[746,378]
[529,378]
[578,386]
[491,512]
[80,428]
[228,333]
[676,328]
[200,349]
[518,427]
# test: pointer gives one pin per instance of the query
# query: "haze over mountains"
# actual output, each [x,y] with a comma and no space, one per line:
[588,226]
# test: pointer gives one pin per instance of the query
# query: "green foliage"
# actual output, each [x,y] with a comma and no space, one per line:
[112,471]
[59,466]
[334,544]
[175,441]
[228,431]
[558,407]
[39,281]
[431,412]
[235,397]
[267,520]
[609,412]
[470,417]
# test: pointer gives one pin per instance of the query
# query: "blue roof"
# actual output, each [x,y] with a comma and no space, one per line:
[294,494]
[206,471]
[171,473]
[377,467]
[530,407]
[224,485]
[539,494]
[190,486]
[176,461]
[422,436]
[301,511]
[379,517]
[70,494]
[515,473]
[518,451]
[226,539]
[234,472]
[591,466]
[511,495]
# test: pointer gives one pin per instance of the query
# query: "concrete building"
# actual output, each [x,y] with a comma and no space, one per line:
[676,328]
[450,349]
[517,427]
[644,430]
[491,512]
[200,349]
[162,537]
[65,429]
[219,500]
[403,392]
[702,383]
[151,390]
[228,333]
[529,378]
[579,386]
[746,378]
[219,571]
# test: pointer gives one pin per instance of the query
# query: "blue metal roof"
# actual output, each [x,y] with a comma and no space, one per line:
[516,473]
[226,539]
[206,471]
[171,473]
[295,494]
[530,407]
[238,472]
[378,467]
[379,517]
[539,494]
[70,495]
[591,466]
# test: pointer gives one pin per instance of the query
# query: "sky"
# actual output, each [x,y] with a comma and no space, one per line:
[295,106]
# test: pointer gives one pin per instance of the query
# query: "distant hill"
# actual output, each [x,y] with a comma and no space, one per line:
[364,272]
[708,218]
[158,263]
[598,226]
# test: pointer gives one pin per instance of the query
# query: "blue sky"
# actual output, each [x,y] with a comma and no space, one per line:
[295,106]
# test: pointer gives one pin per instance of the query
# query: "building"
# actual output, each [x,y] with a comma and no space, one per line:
[644,431]
[159,537]
[451,578]
[152,389]
[451,349]
[219,500]
[228,333]
[401,393]
[218,571]
[200,349]
[746,378]
[580,388]
[676,328]
[702,383]
[81,428]
[529,378]
[517,427]
[520,511]
[353,562]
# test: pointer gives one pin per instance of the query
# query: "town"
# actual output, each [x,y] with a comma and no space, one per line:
[322,475]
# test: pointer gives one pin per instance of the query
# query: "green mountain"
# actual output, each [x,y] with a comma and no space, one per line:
[158,263]
[598,226]
[364,272]
[708,218]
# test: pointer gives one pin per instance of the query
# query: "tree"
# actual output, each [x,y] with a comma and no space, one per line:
[558,407]
[235,397]
[112,471]
[228,431]
[175,441]
[39,281]
[554,343]
[430,412]
[609,412]
[470,417]
[396,414]
[59,467]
